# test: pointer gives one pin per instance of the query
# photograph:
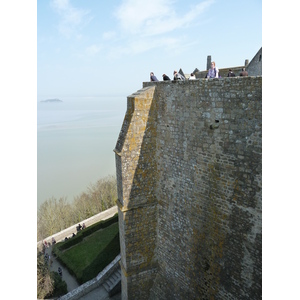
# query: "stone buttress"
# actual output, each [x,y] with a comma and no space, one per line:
[136,172]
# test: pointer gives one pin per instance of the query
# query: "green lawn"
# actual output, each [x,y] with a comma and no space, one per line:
[90,256]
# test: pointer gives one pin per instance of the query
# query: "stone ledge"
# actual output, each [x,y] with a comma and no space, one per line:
[134,207]
[152,268]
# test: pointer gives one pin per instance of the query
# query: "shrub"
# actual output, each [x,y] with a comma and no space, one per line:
[91,250]
[104,258]
[60,286]
[84,233]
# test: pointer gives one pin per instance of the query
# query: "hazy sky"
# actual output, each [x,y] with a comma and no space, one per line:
[51,49]
[96,47]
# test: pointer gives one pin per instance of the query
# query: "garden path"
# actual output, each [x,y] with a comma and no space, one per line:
[66,276]
[98,293]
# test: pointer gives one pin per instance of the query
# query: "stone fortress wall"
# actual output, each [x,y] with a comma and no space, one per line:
[189,176]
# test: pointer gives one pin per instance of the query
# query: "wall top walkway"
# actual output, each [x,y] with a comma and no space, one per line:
[59,236]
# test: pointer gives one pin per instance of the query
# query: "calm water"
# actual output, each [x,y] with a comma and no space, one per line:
[75,142]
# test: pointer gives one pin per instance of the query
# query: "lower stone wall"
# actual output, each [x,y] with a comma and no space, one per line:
[59,236]
[94,283]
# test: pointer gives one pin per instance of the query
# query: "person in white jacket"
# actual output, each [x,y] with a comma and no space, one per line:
[192,77]
[178,76]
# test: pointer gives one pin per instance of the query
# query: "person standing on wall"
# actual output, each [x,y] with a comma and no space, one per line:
[230,73]
[213,72]
[192,77]
[153,77]
[165,77]
[178,76]
[244,72]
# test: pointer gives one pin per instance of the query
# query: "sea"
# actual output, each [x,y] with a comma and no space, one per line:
[75,142]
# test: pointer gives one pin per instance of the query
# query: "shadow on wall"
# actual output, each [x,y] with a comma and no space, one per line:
[136,173]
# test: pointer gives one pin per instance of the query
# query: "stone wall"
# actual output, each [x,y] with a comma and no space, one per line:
[189,186]
[60,236]
[94,283]
[255,66]
[136,171]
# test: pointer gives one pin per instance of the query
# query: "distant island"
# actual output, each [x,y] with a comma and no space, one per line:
[52,100]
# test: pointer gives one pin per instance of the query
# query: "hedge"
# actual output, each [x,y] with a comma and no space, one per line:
[84,233]
[103,258]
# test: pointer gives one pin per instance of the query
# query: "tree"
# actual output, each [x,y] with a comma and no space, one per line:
[45,284]
[49,284]
[53,216]
[99,197]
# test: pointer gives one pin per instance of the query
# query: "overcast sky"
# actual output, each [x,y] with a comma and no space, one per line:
[88,48]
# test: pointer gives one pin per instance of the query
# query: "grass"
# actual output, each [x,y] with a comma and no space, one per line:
[92,253]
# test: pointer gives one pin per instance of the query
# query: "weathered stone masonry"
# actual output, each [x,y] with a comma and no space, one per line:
[188,164]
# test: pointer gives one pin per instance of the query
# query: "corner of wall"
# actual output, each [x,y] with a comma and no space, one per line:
[136,177]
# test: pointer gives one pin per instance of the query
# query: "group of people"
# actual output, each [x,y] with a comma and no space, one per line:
[176,76]
[48,260]
[47,257]
[79,227]
[47,244]
[243,73]
[213,72]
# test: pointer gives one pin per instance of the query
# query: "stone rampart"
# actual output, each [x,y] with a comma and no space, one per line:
[189,187]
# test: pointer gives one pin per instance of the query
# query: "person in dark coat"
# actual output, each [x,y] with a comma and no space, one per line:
[244,72]
[153,77]
[60,271]
[165,77]
[230,73]
[78,227]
